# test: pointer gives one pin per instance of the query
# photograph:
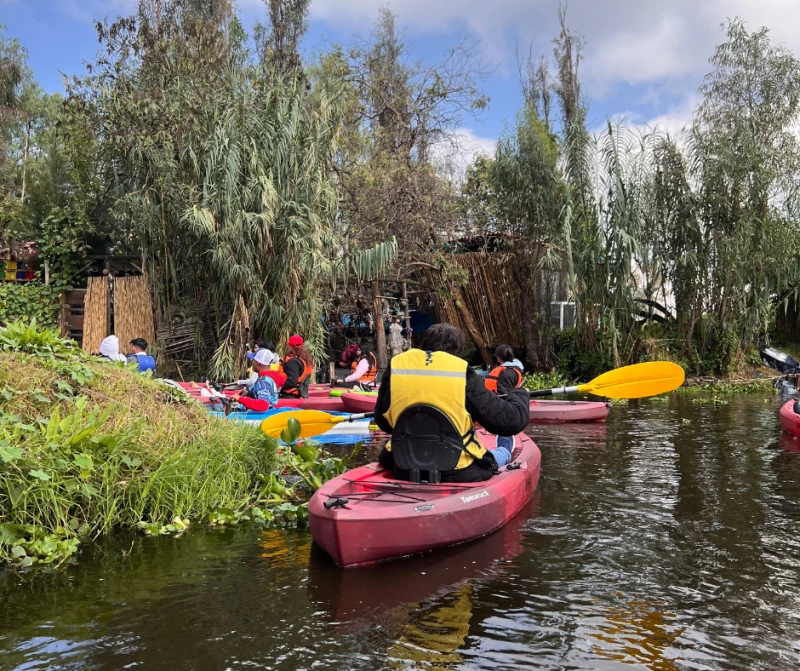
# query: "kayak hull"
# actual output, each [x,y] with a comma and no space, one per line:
[790,420]
[540,411]
[386,518]
[358,403]
[545,412]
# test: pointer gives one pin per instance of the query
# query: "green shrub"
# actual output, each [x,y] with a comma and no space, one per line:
[28,302]
[87,446]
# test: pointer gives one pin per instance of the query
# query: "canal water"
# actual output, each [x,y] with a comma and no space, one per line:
[668,538]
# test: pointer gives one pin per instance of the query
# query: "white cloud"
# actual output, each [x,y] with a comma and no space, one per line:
[454,156]
[628,41]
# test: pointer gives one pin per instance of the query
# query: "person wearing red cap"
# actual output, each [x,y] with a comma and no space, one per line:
[298,367]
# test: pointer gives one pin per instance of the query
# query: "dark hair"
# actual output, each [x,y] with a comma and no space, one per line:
[366,350]
[265,344]
[141,343]
[444,338]
[364,341]
[504,353]
[301,353]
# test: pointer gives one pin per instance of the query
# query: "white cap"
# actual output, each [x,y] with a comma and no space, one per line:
[263,356]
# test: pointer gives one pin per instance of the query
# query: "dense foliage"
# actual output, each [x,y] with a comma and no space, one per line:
[246,180]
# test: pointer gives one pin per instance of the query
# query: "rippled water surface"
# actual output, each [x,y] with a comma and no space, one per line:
[668,538]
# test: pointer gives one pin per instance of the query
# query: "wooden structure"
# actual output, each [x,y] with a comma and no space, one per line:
[493,297]
[96,314]
[72,307]
[114,305]
[133,310]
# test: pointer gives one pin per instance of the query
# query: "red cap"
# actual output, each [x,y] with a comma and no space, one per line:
[295,341]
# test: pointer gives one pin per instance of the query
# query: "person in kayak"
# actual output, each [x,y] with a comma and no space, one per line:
[263,394]
[434,375]
[505,377]
[298,367]
[363,370]
[139,356]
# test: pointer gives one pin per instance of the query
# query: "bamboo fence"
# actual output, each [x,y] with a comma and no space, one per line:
[492,296]
[95,314]
[133,310]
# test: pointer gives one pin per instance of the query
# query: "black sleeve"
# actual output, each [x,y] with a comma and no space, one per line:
[507,381]
[293,369]
[384,401]
[502,416]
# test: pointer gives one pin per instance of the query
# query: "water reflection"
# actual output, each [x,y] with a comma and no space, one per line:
[668,539]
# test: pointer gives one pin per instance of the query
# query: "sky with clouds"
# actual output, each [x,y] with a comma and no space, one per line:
[643,60]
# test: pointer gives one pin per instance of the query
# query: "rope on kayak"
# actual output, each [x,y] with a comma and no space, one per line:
[401,498]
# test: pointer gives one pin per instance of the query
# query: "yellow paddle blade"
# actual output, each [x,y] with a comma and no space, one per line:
[312,422]
[638,381]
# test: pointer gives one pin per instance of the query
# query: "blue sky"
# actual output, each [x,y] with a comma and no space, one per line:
[643,60]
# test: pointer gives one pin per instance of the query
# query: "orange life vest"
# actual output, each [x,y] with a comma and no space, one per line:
[301,390]
[369,376]
[494,376]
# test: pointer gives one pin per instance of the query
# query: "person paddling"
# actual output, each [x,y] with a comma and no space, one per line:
[298,367]
[505,377]
[263,394]
[436,376]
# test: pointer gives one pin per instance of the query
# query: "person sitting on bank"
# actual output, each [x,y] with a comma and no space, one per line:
[139,356]
[298,367]
[363,370]
[263,394]
[109,350]
[504,378]
[435,376]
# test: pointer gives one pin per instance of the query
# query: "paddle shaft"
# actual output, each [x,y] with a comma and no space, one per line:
[554,392]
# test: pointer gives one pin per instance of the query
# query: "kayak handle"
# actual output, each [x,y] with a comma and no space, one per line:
[335,503]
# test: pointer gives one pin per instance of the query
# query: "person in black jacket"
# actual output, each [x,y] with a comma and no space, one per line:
[504,416]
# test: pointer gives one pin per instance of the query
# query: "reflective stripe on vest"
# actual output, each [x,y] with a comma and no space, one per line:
[437,379]
[494,376]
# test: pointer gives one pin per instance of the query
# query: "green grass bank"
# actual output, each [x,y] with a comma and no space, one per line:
[87,447]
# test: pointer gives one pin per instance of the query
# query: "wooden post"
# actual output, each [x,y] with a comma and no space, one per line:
[380,333]
[406,312]
[332,371]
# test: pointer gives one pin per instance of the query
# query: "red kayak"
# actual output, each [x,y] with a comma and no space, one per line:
[790,420]
[541,411]
[385,518]
[359,402]
[568,411]
[324,403]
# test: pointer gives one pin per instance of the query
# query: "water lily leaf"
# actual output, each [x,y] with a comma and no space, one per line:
[39,475]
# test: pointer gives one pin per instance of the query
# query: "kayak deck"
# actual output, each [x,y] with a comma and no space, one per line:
[383,518]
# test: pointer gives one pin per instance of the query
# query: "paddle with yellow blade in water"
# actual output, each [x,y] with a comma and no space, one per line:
[637,381]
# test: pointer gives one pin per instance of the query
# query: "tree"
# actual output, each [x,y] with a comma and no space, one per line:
[279,42]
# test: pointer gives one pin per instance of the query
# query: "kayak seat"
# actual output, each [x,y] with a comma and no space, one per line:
[424,440]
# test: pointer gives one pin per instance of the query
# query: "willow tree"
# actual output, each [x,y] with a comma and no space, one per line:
[266,209]
[745,160]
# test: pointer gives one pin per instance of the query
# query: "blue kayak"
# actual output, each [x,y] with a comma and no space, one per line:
[344,433]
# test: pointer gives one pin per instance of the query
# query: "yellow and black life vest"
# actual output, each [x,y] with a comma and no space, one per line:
[302,381]
[437,379]
[494,376]
[369,376]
